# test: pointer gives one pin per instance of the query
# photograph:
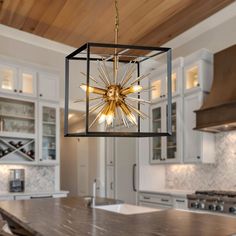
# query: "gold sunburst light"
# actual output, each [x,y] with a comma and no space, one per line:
[114,94]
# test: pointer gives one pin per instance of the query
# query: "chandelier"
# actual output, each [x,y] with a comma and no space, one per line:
[113,98]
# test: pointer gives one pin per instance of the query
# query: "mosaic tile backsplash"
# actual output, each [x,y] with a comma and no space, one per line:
[37,178]
[220,176]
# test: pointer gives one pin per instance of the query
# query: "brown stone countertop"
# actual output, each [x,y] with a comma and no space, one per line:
[71,217]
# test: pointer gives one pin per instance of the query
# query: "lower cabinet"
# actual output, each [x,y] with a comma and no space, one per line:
[163,201]
[17,196]
[160,201]
[180,203]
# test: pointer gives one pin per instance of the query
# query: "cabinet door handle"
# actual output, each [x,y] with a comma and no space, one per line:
[198,157]
[178,200]
[40,95]
[111,186]
[163,95]
[147,198]
[15,90]
[38,197]
[164,200]
[134,177]
[20,91]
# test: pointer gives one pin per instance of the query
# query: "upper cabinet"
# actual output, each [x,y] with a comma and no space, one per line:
[27,82]
[159,81]
[17,81]
[191,82]
[48,87]
[166,149]
[48,132]
[29,115]
[198,72]
[8,79]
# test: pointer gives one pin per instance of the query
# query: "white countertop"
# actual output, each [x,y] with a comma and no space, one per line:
[2,194]
[173,192]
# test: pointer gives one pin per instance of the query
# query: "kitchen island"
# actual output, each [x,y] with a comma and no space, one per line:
[72,217]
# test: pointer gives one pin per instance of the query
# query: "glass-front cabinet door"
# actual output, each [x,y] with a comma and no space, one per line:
[159,86]
[49,133]
[8,79]
[27,83]
[192,77]
[157,124]
[166,149]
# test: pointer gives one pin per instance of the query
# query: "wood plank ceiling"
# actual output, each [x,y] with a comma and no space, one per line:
[75,22]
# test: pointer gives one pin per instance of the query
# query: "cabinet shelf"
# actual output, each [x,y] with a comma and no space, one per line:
[48,123]
[16,135]
[49,136]
[157,120]
[17,117]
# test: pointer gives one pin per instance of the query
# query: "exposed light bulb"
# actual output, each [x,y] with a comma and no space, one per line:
[136,88]
[109,118]
[102,118]
[84,87]
[133,89]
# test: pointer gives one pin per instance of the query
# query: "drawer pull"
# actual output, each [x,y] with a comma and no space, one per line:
[165,200]
[147,198]
[39,197]
[177,200]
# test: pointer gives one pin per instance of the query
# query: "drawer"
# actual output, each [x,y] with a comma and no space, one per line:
[154,205]
[6,198]
[156,198]
[180,203]
[58,195]
[22,197]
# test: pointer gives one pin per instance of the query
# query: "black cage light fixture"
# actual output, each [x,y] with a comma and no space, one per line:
[112,90]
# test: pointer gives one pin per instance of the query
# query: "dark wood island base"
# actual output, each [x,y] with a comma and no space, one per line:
[72,217]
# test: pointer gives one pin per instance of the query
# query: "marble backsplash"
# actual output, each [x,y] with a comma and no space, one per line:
[37,178]
[220,176]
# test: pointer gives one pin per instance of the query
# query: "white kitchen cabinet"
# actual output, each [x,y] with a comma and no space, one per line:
[110,155]
[18,141]
[110,182]
[22,197]
[166,149]
[159,81]
[6,198]
[48,87]
[8,78]
[155,205]
[27,82]
[180,203]
[198,71]
[199,147]
[49,133]
[161,201]
[17,80]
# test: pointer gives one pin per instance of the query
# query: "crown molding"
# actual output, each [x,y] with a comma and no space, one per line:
[35,40]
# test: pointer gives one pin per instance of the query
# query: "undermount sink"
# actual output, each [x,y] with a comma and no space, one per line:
[127,209]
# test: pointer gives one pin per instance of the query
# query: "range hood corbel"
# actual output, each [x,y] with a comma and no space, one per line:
[218,112]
